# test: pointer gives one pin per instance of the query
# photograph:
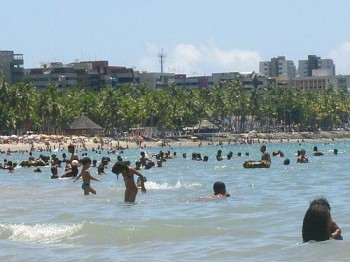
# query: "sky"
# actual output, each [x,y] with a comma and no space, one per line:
[198,37]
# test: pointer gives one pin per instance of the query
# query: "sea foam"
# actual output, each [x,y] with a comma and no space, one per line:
[43,233]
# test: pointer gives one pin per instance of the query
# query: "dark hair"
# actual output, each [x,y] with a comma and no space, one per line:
[119,166]
[54,170]
[219,188]
[86,160]
[321,202]
[315,223]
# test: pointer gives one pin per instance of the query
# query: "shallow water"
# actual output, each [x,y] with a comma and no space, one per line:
[43,219]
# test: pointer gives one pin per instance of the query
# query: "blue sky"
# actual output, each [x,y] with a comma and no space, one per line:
[199,37]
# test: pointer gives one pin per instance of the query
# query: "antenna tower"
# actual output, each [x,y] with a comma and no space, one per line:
[161,56]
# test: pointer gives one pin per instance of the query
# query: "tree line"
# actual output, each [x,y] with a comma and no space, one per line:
[232,108]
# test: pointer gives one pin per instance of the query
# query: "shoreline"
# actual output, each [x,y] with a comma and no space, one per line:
[219,139]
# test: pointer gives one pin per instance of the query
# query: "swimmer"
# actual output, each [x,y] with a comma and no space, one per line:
[316,152]
[219,190]
[54,172]
[302,157]
[333,229]
[318,224]
[265,155]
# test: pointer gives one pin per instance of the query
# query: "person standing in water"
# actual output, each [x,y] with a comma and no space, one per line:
[85,174]
[128,173]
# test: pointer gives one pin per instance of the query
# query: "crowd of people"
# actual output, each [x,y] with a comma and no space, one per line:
[318,224]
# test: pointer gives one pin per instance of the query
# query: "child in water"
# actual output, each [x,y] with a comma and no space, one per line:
[85,174]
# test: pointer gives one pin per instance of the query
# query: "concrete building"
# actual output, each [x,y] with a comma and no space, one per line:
[315,66]
[193,82]
[11,65]
[277,67]
[88,74]
[250,80]
[156,80]
[320,83]
[53,72]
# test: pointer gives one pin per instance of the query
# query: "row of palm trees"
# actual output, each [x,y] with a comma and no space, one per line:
[233,108]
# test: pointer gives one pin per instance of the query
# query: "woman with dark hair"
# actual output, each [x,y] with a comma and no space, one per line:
[128,175]
[334,230]
[318,224]
[315,224]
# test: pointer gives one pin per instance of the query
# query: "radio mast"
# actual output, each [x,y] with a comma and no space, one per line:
[161,56]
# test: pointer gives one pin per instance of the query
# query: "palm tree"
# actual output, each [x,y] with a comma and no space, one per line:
[51,109]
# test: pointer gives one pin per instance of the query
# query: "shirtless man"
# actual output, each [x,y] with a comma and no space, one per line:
[265,155]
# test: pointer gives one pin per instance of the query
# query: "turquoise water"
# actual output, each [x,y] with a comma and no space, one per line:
[43,219]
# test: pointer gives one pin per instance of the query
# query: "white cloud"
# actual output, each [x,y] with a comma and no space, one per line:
[341,58]
[202,59]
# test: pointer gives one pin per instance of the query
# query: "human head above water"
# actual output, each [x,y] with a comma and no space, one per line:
[219,188]
[315,223]
[86,160]
[321,202]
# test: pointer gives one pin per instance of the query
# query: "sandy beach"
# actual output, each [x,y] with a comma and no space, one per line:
[130,142]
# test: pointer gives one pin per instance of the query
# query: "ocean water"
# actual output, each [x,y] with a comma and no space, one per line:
[51,220]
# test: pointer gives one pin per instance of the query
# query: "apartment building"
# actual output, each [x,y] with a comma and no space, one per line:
[53,72]
[315,66]
[277,67]
[87,74]
[11,65]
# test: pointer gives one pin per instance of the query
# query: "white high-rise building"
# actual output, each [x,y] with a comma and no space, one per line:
[277,67]
[315,66]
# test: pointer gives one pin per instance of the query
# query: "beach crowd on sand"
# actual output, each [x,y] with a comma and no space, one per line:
[318,224]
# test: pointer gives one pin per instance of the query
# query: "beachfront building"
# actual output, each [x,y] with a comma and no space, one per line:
[320,83]
[156,80]
[53,72]
[277,67]
[11,66]
[88,74]
[97,74]
[249,80]
[315,66]
[193,82]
